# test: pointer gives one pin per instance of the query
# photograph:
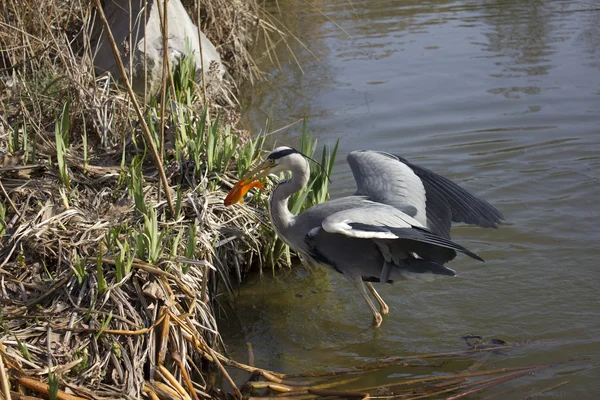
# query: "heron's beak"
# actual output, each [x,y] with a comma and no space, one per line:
[260,171]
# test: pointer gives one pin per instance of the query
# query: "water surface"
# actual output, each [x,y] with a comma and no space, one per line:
[501,96]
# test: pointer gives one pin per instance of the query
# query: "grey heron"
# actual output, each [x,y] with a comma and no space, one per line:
[398,220]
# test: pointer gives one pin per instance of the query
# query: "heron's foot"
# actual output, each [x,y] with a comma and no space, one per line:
[384,308]
[377,319]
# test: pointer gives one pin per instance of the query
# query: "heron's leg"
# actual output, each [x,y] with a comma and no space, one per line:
[384,309]
[360,285]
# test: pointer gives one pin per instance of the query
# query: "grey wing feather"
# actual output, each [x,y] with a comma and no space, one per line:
[379,221]
[431,199]
[380,177]
[464,206]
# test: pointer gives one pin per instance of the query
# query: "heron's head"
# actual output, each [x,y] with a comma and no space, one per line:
[281,159]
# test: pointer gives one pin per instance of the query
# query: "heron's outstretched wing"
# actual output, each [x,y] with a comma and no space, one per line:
[464,206]
[429,198]
[379,221]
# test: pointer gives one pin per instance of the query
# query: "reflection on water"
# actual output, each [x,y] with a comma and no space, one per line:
[502,96]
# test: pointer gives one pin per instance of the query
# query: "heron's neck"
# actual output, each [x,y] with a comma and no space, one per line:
[281,216]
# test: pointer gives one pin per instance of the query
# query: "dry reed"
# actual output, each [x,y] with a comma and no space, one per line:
[79,309]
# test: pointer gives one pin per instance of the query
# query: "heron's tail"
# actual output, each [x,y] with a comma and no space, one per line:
[417,266]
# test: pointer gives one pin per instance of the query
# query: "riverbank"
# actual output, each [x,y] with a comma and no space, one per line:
[115,240]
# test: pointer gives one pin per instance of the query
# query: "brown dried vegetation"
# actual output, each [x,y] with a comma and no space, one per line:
[103,289]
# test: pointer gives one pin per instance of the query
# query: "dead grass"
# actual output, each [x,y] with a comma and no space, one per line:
[105,291]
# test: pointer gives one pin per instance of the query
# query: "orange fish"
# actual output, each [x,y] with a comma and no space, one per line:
[237,193]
